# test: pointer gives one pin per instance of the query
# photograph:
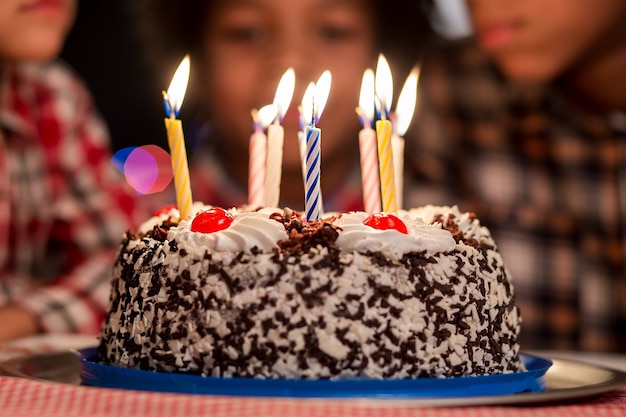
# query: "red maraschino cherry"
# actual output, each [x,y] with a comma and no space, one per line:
[385,221]
[212,220]
[164,210]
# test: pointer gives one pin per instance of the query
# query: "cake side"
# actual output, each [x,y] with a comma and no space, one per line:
[312,304]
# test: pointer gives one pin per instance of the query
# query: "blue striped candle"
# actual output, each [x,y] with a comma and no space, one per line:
[313,104]
[312,200]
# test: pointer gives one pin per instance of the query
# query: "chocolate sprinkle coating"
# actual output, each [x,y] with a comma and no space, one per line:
[309,310]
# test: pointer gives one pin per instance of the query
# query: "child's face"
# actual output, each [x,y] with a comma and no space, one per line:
[249,45]
[537,40]
[34,29]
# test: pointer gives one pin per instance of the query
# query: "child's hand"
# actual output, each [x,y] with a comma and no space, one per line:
[16,322]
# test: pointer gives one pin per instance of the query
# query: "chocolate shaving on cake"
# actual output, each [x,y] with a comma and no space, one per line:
[303,236]
[453,227]
[159,232]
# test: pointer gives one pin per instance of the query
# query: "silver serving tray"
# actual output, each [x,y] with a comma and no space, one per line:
[566,380]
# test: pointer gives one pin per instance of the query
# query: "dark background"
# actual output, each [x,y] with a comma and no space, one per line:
[108,55]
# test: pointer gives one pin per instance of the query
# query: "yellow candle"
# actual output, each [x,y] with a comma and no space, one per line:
[178,153]
[385,162]
[173,101]
[384,94]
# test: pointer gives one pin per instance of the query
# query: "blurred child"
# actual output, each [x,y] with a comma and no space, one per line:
[529,131]
[239,50]
[63,209]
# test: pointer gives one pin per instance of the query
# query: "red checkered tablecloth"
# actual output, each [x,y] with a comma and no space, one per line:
[37,398]
[24,397]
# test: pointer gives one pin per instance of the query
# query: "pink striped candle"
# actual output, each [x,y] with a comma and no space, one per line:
[258,154]
[369,170]
[256,169]
[367,145]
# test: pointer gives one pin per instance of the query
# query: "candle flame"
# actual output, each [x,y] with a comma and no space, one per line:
[178,86]
[306,113]
[384,84]
[267,114]
[406,103]
[366,96]
[284,92]
[322,90]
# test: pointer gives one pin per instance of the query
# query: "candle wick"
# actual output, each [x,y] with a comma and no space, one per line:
[170,109]
[381,107]
[279,113]
[256,121]
[167,104]
[365,122]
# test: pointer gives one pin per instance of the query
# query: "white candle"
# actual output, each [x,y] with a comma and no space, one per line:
[302,148]
[397,149]
[403,115]
[274,163]
[275,139]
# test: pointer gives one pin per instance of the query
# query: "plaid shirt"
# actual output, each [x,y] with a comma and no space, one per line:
[63,208]
[547,177]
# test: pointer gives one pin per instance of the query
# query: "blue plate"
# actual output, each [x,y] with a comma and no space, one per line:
[99,375]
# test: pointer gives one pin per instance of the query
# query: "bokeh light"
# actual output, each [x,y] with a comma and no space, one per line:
[148,169]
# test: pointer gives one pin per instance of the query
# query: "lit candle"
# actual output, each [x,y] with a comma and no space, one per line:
[308,97]
[173,100]
[258,153]
[367,145]
[403,115]
[384,94]
[313,110]
[275,139]
[305,107]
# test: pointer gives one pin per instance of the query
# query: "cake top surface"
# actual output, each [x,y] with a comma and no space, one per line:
[428,228]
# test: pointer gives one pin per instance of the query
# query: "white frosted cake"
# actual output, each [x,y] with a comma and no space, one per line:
[264,294]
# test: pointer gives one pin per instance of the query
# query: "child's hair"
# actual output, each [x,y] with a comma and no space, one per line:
[175,28]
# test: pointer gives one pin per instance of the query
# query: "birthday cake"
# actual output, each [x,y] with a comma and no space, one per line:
[264,294]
